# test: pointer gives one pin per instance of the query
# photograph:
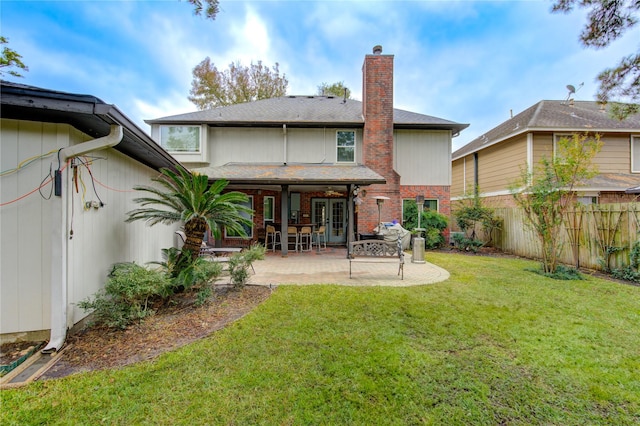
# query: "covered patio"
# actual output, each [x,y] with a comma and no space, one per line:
[302,194]
[332,267]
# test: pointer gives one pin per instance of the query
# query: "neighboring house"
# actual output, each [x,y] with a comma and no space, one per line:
[320,159]
[492,162]
[68,163]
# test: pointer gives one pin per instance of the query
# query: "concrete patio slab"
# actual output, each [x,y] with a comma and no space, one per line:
[331,266]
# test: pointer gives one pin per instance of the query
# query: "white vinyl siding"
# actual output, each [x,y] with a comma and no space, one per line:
[268,145]
[423,158]
[100,236]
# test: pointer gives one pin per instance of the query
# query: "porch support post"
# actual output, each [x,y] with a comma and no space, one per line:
[350,218]
[284,220]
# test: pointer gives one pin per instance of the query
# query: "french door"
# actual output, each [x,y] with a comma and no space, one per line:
[332,212]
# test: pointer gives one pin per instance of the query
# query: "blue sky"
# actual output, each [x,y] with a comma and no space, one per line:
[466,61]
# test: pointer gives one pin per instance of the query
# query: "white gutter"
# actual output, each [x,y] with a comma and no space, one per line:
[60,237]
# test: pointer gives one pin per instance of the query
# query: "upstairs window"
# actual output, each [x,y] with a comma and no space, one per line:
[556,140]
[181,139]
[346,146]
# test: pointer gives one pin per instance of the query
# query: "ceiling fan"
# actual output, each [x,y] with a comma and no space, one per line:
[330,192]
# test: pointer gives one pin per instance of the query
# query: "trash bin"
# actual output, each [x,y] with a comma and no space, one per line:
[418,249]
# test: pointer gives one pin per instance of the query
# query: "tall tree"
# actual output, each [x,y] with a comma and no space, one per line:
[546,194]
[338,89]
[209,7]
[212,88]
[188,198]
[10,59]
[608,20]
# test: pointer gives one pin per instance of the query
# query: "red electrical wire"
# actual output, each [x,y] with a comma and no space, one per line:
[42,185]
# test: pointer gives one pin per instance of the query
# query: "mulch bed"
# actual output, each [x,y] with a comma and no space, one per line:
[174,325]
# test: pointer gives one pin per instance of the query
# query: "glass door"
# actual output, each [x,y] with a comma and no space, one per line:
[332,212]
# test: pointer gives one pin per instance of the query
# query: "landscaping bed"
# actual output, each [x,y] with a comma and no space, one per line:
[172,326]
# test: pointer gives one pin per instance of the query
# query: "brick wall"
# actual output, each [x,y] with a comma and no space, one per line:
[377,144]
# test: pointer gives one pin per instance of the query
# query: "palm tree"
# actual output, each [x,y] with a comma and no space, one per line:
[188,198]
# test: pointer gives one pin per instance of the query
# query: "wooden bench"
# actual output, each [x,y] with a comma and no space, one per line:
[377,251]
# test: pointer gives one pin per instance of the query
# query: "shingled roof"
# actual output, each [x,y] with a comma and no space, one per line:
[578,116]
[303,111]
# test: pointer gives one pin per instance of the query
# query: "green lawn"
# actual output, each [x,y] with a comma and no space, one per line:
[494,344]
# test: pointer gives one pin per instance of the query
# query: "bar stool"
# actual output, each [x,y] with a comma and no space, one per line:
[321,233]
[275,236]
[304,237]
[292,231]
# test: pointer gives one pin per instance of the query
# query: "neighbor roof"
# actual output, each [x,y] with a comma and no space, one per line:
[580,116]
[86,113]
[307,111]
[291,173]
[609,182]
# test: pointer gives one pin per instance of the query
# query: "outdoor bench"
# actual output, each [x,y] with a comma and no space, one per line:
[377,251]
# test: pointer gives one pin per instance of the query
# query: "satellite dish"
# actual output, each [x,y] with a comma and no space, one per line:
[572,89]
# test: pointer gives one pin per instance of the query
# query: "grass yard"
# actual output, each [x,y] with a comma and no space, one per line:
[492,345]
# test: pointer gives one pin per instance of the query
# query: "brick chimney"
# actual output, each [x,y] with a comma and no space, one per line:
[377,144]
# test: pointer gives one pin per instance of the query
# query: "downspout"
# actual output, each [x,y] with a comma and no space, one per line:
[59,237]
[284,146]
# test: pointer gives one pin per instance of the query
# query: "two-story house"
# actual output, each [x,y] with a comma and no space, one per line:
[493,161]
[320,159]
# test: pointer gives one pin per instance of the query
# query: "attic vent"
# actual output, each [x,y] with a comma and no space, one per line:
[310,97]
[330,97]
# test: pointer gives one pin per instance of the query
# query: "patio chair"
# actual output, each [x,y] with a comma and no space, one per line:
[304,237]
[276,237]
[321,233]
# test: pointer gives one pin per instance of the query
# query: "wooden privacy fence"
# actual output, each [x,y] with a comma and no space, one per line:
[594,236]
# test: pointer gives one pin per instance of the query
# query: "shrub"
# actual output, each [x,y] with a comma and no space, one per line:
[198,276]
[240,263]
[127,295]
[131,288]
[562,272]
[630,272]
[471,215]
[433,224]
[195,274]
[461,242]
[626,273]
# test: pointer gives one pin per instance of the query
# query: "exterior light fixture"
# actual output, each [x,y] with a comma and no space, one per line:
[379,201]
